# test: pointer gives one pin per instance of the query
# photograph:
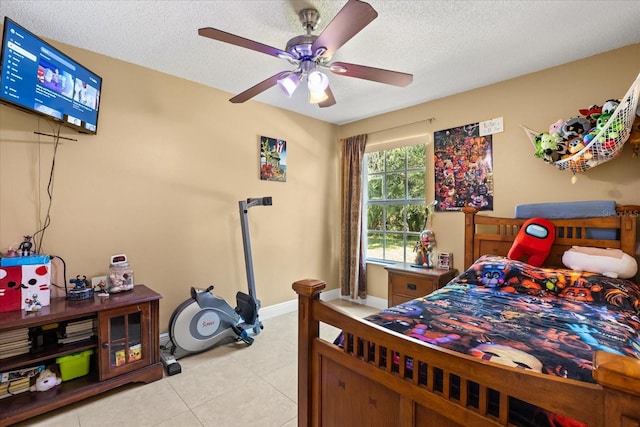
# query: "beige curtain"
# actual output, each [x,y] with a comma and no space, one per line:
[353,280]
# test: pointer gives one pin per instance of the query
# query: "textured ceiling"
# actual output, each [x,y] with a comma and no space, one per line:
[449,46]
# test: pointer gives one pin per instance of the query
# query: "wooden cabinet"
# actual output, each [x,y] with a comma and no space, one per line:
[407,282]
[123,341]
[126,349]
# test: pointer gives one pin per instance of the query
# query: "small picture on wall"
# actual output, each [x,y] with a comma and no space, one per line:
[273,159]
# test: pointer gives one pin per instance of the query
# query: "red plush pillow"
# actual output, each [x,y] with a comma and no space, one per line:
[533,242]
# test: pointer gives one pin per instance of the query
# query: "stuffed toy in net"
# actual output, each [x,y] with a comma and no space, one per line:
[581,143]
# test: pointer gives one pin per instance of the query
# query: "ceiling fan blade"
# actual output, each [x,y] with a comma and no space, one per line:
[223,36]
[389,77]
[352,18]
[259,88]
[331,100]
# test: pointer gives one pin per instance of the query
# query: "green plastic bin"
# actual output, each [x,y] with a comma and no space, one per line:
[74,365]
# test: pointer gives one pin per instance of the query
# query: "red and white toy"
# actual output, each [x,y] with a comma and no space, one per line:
[24,287]
[533,242]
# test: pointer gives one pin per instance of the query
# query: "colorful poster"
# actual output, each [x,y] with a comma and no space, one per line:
[273,159]
[463,169]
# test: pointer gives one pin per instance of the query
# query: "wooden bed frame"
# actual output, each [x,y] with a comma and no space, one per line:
[353,387]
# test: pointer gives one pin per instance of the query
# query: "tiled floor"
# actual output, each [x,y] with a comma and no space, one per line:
[231,385]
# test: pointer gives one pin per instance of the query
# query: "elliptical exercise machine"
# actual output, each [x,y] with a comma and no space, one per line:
[206,320]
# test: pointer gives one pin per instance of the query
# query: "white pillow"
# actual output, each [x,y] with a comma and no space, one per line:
[608,262]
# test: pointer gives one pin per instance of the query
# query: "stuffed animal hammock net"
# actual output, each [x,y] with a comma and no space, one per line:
[607,144]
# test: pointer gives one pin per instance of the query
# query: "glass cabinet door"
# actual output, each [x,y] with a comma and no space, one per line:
[124,340]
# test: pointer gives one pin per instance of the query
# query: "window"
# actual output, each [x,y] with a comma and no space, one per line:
[394,202]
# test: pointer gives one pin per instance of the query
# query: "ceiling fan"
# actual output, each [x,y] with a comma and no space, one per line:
[310,54]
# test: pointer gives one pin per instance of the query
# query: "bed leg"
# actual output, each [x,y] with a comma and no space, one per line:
[620,377]
[308,330]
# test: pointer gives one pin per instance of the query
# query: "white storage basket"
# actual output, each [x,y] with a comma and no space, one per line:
[598,151]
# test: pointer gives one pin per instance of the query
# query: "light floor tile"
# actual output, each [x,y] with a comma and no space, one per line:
[284,379]
[186,419]
[292,423]
[258,405]
[136,405]
[230,385]
[210,379]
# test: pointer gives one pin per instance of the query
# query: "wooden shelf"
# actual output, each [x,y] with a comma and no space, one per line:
[140,303]
[50,352]
[16,408]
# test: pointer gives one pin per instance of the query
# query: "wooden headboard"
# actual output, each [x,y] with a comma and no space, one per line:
[492,235]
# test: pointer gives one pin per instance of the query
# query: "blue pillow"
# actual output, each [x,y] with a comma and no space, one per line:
[587,209]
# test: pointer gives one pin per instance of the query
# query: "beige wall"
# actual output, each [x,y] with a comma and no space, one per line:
[534,100]
[161,182]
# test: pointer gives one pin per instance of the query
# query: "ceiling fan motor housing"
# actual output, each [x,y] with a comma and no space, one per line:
[310,19]
[300,46]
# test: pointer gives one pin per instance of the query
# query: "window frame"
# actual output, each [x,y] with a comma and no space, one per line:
[407,235]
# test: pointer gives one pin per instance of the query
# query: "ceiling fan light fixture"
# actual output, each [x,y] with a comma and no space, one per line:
[289,84]
[317,97]
[317,82]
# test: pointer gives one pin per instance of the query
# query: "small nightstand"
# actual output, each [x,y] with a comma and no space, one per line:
[407,282]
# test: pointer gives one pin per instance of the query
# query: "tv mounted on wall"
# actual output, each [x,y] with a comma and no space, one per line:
[40,79]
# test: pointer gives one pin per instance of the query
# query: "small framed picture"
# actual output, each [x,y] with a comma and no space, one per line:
[445,260]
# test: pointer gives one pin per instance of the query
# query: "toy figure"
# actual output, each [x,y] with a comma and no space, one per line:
[33,304]
[45,381]
[25,247]
[534,241]
[101,288]
[547,147]
[634,138]
[426,246]
[80,283]
[10,253]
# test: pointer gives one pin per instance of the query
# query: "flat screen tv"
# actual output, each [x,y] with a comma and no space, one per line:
[40,79]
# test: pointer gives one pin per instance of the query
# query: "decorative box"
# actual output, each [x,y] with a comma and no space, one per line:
[25,287]
[24,260]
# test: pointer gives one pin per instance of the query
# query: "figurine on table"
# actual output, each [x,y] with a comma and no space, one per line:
[25,247]
[425,248]
[33,304]
[80,283]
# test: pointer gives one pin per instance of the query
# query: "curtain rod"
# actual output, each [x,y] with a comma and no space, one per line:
[430,120]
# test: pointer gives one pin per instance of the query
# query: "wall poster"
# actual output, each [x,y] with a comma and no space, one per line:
[273,159]
[463,169]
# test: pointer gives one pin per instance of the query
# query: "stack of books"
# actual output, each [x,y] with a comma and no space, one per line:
[17,381]
[14,343]
[80,330]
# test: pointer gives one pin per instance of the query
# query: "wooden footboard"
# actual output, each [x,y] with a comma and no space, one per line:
[368,382]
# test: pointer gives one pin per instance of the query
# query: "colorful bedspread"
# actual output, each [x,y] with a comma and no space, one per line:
[545,320]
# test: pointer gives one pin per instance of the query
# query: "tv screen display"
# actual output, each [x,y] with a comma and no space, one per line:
[39,78]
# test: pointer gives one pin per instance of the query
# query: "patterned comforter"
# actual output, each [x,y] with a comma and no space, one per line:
[509,312]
